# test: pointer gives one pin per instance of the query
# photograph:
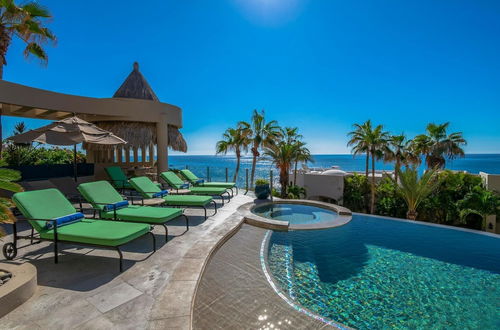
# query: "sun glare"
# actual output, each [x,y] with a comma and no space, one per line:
[270,12]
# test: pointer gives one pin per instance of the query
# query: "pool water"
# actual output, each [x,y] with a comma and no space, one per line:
[375,273]
[295,213]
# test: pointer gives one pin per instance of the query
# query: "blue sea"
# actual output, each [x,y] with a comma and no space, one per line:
[472,163]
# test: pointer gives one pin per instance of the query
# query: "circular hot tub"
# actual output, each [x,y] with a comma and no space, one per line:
[296,215]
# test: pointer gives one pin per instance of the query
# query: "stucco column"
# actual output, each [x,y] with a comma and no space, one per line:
[162,143]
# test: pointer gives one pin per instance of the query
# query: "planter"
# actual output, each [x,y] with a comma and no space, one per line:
[262,191]
[19,288]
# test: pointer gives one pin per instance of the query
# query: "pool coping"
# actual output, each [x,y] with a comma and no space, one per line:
[424,223]
[344,215]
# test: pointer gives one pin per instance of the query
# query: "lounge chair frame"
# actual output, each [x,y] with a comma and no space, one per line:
[10,249]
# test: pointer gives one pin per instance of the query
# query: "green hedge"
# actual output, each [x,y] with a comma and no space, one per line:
[443,206]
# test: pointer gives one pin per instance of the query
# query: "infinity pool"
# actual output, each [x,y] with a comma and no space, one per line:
[374,273]
[296,214]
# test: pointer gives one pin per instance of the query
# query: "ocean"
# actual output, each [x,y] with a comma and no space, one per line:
[472,163]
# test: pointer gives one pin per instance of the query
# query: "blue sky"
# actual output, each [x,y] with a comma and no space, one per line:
[321,65]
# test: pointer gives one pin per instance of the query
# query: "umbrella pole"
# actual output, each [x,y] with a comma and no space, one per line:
[74,163]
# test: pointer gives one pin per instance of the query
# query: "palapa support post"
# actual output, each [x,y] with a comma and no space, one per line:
[75,170]
[208,173]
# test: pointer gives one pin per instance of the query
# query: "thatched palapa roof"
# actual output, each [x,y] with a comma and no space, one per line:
[139,134]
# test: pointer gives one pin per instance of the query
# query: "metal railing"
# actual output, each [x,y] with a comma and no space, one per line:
[213,173]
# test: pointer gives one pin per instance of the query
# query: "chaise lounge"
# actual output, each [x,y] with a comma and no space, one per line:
[197,182]
[55,219]
[118,179]
[111,205]
[151,192]
[176,183]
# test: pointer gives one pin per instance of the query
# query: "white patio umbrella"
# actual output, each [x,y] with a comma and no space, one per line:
[66,132]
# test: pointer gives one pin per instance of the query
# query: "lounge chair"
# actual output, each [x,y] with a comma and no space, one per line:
[55,219]
[176,183]
[150,191]
[197,182]
[118,179]
[111,205]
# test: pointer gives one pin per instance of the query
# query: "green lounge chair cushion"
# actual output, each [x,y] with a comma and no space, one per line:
[51,203]
[176,182]
[172,179]
[191,177]
[144,186]
[147,188]
[187,200]
[212,191]
[42,204]
[99,232]
[100,192]
[145,214]
[118,178]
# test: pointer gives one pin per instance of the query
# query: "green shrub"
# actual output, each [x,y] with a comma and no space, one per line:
[296,192]
[356,192]
[388,201]
[22,155]
[261,182]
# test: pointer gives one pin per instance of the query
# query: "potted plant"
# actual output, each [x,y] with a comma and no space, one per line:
[262,190]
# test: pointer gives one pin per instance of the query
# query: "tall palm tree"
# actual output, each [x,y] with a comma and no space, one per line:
[398,150]
[303,154]
[282,155]
[262,134]
[359,141]
[234,139]
[437,144]
[26,22]
[377,142]
[414,189]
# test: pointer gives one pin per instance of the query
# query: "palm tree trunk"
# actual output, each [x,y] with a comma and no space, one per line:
[284,182]
[411,215]
[396,169]
[255,153]
[295,173]
[367,164]
[372,204]
[238,157]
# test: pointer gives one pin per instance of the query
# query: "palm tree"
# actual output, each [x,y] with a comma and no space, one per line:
[436,145]
[234,139]
[481,202]
[398,151]
[26,22]
[262,134]
[303,154]
[359,141]
[377,142]
[282,155]
[415,190]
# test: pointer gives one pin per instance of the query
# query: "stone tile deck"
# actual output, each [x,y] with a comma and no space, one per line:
[156,292]
[235,294]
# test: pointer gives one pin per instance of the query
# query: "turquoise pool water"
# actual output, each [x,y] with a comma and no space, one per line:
[295,213]
[375,273]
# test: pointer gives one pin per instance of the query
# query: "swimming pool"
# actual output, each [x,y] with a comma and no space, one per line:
[375,272]
[297,214]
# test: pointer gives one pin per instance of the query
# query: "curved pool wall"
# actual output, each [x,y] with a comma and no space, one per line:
[339,215]
[377,272]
